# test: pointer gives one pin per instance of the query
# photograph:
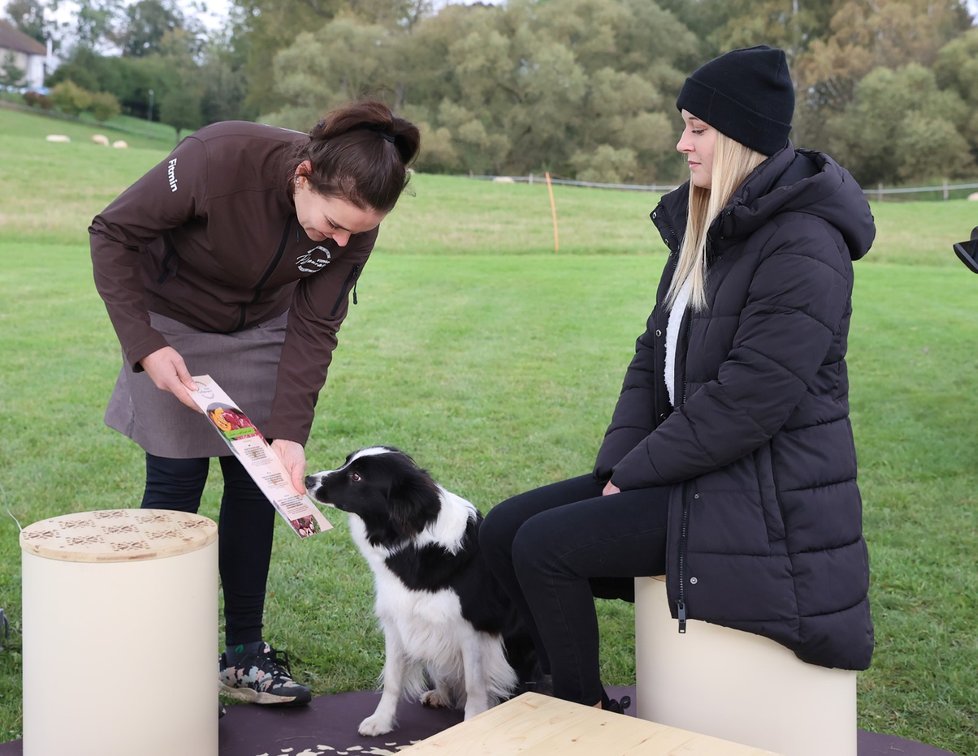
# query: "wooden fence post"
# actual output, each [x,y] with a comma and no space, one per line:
[553,212]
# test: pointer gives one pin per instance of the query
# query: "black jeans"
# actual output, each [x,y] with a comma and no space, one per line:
[557,548]
[245,530]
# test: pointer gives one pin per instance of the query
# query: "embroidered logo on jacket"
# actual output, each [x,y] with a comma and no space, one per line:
[171,174]
[314,260]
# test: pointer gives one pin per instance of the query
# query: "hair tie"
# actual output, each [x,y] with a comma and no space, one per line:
[378,129]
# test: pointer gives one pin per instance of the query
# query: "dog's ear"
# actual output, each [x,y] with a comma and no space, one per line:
[414,502]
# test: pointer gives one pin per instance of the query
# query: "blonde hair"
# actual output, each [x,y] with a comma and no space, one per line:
[732,163]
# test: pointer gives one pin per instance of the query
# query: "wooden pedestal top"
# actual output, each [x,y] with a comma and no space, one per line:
[118,535]
[541,725]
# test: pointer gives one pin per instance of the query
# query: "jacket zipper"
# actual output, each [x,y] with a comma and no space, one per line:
[351,276]
[673,244]
[684,527]
[265,276]
[683,533]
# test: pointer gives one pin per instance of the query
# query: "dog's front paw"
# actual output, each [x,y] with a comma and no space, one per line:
[375,725]
[434,700]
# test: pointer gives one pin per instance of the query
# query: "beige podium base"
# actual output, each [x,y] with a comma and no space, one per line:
[737,685]
[120,631]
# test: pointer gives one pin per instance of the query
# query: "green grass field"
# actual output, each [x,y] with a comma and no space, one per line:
[496,363]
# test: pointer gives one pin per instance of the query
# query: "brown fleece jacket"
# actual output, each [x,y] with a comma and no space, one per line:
[209,237]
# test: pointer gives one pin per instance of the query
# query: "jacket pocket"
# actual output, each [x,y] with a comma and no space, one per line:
[168,262]
[349,283]
[768,493]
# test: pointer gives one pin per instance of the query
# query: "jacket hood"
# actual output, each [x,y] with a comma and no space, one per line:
[792,180]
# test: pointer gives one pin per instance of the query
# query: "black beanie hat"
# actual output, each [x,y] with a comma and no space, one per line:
[745,94]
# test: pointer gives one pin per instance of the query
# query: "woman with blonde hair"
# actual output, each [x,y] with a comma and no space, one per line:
[729,462]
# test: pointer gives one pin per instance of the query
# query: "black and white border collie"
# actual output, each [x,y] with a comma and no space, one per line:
[445,620]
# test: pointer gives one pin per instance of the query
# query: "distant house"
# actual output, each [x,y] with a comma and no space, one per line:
[25,52]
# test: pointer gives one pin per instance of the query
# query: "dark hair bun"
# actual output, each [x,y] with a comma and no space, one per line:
[360,152]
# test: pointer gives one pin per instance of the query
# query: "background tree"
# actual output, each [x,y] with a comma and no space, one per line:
[225,86]
[930,146]
[29,17]
[104,106]
[424,52]
[263,28]
[605,165]
[344,60]
[911,123]
[863,36]
[11,75]
[698,16]
[529,86]
[475,149]
[789,24]
[180,107]
[181,98]
[97,24]
[956,70]
[70,98]
[90,70]
[576,87]
[393,14]
[145,83]
[147,21]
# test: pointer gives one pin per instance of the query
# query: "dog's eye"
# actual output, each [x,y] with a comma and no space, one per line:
[355,477]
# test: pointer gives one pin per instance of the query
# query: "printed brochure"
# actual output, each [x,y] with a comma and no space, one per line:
[257,457]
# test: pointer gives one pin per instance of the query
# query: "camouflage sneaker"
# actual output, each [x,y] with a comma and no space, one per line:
[263,677]
[617,705]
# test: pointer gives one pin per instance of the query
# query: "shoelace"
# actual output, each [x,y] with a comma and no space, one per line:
[276,663]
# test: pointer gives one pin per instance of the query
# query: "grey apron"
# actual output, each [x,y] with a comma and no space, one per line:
[244,364]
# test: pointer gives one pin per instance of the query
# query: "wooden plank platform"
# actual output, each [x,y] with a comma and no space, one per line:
[541,725]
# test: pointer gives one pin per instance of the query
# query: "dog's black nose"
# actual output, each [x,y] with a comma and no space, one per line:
[310,481]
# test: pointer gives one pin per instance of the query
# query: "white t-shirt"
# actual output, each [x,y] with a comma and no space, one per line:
[672,337]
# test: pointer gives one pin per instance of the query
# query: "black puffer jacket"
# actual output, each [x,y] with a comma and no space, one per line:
[765,519]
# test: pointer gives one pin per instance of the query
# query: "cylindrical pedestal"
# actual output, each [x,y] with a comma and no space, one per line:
[736,685]
[120,631]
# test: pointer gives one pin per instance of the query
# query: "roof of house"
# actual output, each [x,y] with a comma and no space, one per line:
[12,38]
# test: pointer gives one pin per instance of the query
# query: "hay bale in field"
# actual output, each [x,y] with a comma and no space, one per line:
[503,180]
[101,139]
[120,144]
[973,196]
[58,138]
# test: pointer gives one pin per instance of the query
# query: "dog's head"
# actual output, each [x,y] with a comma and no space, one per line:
[384,487]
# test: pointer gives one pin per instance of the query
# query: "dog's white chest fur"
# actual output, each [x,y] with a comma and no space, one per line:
[429,624]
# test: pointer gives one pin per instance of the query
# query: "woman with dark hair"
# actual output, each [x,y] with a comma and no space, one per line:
[235,257]
[729,462]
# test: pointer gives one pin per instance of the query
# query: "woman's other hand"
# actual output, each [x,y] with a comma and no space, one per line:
[293,457]
[610,488]
[166,368]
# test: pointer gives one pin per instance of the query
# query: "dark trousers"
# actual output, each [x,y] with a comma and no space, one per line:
[245,530]
[557,548]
